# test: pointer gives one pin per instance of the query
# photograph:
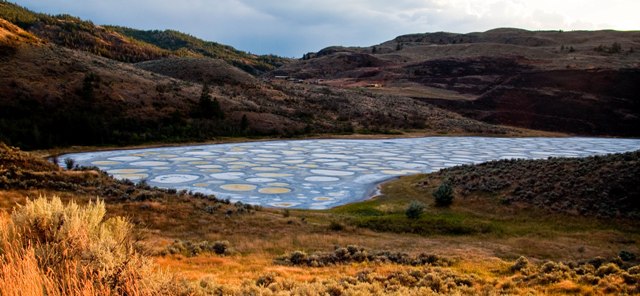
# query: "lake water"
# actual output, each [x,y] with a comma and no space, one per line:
[320,174]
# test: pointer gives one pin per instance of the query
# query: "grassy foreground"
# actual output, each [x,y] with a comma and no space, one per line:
[175,243]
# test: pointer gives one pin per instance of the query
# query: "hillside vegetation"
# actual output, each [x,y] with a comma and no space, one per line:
[604,186]
[187,45]
[127,44]
[579,82]
[57,96]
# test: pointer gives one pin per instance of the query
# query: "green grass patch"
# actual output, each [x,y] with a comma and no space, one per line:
[484,214]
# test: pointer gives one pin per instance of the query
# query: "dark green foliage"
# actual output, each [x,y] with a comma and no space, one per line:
[443,195]
[221,247]
[336,226]
[415,209]
[91,81]
[626,255]
[244,123]
[427,225]
[69,163]
[18,15]
[207,108]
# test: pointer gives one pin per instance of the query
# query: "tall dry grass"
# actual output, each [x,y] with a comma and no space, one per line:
[48,248]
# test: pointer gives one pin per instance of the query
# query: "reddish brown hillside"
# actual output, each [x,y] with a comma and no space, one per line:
[578,82]
[59,96]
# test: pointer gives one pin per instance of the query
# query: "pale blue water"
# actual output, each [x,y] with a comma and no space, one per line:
[320,174]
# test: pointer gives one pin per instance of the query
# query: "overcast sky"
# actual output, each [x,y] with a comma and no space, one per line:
[293,27]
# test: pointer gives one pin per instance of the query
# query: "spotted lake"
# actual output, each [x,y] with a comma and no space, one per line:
[319,174]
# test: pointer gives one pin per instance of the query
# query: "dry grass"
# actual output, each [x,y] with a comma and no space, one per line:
[48,248]
[482,261]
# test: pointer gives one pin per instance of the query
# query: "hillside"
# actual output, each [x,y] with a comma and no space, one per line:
[580,82]
[199,70]
[127,44]
[56,96]
[187,45]
[603,186]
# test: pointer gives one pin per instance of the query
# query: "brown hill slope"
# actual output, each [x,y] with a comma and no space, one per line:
[58,96]
[12,34]
[578,82]
[129,45]
[199,70]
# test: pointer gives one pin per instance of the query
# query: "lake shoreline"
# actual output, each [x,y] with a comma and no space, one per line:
[323,173]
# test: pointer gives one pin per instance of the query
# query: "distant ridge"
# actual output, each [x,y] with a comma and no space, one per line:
[130,45]
[578,82]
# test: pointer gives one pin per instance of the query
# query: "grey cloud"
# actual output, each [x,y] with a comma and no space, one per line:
[293,27]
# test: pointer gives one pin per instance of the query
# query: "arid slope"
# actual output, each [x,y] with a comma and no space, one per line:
[580,82]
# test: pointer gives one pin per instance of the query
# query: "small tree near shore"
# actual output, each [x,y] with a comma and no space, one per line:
[444,195]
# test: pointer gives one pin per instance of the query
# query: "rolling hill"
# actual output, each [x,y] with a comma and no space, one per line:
[60,94]
[581,82]
[127,44]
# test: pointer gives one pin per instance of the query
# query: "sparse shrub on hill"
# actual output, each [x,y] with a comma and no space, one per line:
[191,249]
[604,186]
[357,254]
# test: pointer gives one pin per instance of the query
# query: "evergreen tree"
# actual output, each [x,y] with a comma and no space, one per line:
[444,195]
[209,108]
[244,123]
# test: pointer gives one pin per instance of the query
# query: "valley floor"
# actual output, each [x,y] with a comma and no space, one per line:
[472,247]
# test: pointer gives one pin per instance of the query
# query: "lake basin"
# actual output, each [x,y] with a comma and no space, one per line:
[321,174]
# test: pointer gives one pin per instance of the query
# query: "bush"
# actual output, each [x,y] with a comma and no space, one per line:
[336,226]
[443,195]
[69,163]
[627,256]
[521,264]
[415,209]
[49,248]
[221,247]
[607,269]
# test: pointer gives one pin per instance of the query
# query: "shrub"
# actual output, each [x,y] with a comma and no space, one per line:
[297,257]
[627,256]
[607,269]
[221,247]
[190,249]
[49,248]
[336,226]
[415,209]
[443,195]
[69,163]
[521,264]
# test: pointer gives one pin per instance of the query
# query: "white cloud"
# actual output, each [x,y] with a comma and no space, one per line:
[292,27]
